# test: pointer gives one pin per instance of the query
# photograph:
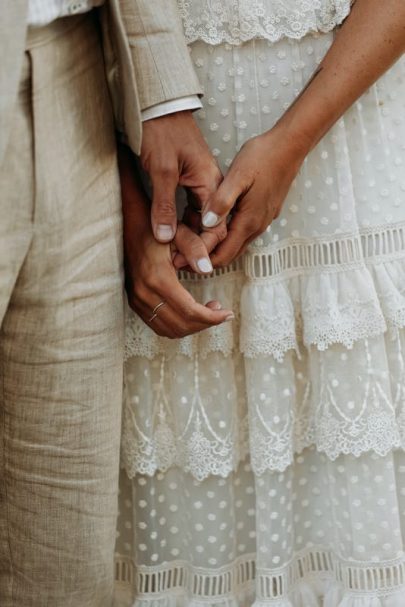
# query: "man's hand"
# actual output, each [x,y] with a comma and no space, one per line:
[150,273]
[174,153]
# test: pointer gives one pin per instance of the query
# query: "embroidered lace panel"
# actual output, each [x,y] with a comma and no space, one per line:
[236,21]
[342,401]
[319,323]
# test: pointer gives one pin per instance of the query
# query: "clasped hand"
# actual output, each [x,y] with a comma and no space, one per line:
[156,245]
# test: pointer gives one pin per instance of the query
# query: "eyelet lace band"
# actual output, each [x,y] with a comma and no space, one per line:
[236,21]
[156,585]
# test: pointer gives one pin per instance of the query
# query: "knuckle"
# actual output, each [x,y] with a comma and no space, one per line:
[252,226]
[165,207]
[168,169]
[221,232]
[139,291]
[197,248]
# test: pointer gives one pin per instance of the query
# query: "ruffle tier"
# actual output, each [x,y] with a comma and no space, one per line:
[319,293]
[316,347]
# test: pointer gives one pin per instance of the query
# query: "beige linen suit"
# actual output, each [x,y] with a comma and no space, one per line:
[61,296]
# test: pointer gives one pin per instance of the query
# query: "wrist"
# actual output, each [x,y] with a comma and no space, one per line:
[292,146]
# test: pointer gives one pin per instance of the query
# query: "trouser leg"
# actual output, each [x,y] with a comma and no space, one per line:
[61,343]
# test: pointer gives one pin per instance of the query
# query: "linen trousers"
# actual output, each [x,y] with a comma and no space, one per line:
[61,316]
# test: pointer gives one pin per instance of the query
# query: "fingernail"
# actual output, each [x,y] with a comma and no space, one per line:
[164,232]
[217,306]
[230,317]
[210,219]
[204,265]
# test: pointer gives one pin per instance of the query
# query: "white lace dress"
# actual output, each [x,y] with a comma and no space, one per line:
[264,459]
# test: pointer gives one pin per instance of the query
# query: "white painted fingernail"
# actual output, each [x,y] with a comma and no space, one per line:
[164,232]
[217,306]
[210,219]
[204,265]
[230,317]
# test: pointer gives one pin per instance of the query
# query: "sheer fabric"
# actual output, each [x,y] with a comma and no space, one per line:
[266,457]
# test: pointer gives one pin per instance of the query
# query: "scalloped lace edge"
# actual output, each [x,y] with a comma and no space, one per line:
[345,324]
[217,23]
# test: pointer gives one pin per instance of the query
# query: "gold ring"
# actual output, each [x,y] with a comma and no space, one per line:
[155,310]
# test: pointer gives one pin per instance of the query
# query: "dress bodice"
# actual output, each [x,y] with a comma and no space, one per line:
[236,21]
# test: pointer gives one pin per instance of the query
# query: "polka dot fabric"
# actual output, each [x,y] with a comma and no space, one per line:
[320,531]
[263,463]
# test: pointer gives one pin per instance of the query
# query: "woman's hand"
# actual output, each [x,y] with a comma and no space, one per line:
[258,179]
[150,274]
[367,44]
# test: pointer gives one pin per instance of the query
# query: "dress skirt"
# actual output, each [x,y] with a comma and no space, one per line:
[263,460]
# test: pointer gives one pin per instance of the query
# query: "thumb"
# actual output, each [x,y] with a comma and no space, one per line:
[164,213]
[223,200]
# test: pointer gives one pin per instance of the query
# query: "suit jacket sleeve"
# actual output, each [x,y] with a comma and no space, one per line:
[162,64]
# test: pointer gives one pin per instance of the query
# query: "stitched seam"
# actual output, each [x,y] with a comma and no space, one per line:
[7,512]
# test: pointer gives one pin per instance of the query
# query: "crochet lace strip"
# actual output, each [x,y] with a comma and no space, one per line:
[328,254]
[236,21]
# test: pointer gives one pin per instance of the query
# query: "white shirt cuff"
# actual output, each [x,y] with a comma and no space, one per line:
[169,107]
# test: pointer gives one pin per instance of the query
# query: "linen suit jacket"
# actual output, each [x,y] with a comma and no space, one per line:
[146,59]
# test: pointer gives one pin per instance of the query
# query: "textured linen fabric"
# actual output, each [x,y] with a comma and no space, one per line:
[161,64]
[12,40]
[42,12]
[61,338]
[266,458]
[145,57]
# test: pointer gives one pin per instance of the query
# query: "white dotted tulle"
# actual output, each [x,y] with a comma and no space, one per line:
[266,456]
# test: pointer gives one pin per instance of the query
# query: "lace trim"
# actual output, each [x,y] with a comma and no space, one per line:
[340,253]
[347,298]
[346,292]
[124,570]
[218,275]
[236,21]
[198,449]
[319,415]
[377,423]
[224,284]
[361,579]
